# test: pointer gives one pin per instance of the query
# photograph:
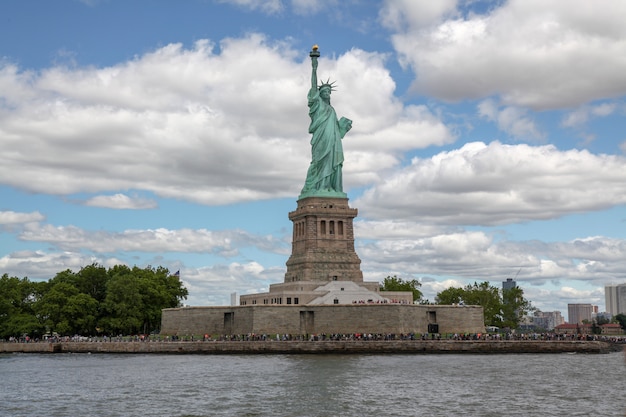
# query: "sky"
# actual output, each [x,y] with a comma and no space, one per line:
[488,139]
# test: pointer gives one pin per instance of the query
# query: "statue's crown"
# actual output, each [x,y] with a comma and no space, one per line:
[328,84]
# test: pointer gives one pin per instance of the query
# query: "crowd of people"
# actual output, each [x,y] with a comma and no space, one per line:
[324,337]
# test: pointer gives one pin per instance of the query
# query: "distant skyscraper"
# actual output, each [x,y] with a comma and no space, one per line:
[576,313]
[548,320]
[509,284]
[615,298]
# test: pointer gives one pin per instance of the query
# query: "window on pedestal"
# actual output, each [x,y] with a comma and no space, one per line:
[432,317]
[340,228]
[323,227]
[331,227]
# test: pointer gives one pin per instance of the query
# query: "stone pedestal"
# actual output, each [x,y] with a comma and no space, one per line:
[323,242]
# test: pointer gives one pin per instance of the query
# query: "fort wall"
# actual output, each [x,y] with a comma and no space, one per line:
[318,319]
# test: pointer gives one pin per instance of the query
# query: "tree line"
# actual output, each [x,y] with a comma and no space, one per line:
[93,301]
[502,308]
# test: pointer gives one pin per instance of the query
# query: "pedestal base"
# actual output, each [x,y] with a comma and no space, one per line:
[323,241]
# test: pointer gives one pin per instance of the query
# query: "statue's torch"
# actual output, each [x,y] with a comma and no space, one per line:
[314,52]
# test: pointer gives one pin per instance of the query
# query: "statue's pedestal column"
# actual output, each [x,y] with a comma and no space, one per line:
[323,242]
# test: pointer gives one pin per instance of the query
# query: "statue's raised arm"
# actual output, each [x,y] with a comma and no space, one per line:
[314,55]
[324,177]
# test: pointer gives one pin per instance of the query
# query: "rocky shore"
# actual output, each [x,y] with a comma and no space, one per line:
[320,347]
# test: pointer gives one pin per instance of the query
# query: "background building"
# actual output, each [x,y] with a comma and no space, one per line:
[576,313]
[615,298]
[548,319]
[509,284]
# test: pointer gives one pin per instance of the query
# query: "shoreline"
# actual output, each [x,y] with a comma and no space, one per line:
[320,347]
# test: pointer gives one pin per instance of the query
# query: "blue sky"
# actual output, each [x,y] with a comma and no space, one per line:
[488,139]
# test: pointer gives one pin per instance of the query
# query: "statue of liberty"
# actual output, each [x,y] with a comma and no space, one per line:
[323,178]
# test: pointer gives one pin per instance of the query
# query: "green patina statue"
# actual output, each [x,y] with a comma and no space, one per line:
[323,178]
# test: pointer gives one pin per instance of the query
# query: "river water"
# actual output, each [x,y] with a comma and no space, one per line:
[153,385]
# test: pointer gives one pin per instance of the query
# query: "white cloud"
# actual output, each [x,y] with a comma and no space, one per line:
[497,184]
[538,54]
[384,229]
[411,15]
[265,6]
[311,7]
[512,120]
[121,201]
[458,258]
[581,115]
[213,285]
[574,294]
[488,109]
[224,243]
[13,218]
[604,109]
[191,124]
[556,299]
[45,265]
[431,288]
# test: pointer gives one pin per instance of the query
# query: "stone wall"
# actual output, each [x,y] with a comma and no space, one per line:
[317,319]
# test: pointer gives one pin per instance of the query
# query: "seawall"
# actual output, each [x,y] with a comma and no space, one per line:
[319,347]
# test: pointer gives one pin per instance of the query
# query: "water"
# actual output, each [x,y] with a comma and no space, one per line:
[110,385]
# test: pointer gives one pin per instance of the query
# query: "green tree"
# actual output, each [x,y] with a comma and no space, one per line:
[135,298]
[449,296]
[92,280]
[123,305]
[393,283]
[159,289]
[51,307]
[119,300]
[514,307]
[502,309]
[17,299]
[81,313]
[489,298]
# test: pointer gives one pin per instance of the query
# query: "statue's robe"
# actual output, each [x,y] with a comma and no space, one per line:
[324,173]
